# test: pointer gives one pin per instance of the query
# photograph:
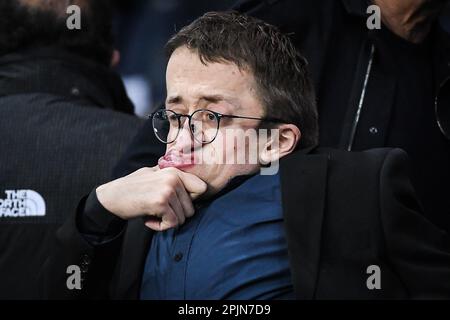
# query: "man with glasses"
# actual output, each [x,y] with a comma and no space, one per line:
[200,223]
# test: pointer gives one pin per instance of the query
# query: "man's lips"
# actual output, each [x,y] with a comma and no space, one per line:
[176,160]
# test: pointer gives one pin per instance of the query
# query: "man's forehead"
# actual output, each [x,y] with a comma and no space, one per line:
[185,62]
[190,79]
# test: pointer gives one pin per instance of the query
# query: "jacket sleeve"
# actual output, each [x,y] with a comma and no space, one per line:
[97,224]
[418,251]
[93,263]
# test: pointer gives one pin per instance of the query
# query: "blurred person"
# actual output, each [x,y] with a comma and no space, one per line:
[144,77]
[64,120]
[179,228]
[387,87]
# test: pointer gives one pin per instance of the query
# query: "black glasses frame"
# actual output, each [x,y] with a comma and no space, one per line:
[217,115]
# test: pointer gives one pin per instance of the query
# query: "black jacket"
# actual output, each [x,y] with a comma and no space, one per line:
[64,122]
[343,213]
[342,54]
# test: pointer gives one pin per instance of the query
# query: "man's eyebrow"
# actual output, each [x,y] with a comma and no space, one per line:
[174,99]
[213,98]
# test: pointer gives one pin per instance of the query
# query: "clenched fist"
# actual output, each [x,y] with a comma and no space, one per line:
[164,196]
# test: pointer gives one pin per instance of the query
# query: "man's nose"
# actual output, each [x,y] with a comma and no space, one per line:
[185,140]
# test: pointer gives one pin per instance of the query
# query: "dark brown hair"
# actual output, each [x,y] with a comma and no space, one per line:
[281,74]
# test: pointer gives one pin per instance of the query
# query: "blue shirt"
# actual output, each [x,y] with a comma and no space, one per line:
[232,248]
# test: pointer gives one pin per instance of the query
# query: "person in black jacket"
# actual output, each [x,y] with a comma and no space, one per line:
[328,225]
[64,121]
[387,87]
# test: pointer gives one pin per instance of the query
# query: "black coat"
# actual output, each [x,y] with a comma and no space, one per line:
[333,36]
[64,122]
[343,212]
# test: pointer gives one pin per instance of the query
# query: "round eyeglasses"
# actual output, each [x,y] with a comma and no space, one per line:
[203,124]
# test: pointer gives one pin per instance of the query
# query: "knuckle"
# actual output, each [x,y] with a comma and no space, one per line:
[167,192]
[172,180]
[160,202]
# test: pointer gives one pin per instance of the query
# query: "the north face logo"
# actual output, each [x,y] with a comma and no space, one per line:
[22,203]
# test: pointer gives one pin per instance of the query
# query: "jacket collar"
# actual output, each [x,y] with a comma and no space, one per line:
[303,186]
[56,71]
[130,268]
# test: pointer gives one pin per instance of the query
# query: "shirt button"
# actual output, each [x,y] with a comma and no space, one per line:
[84,268]
[75,91]
[373,130]
[86,259]
[178,257]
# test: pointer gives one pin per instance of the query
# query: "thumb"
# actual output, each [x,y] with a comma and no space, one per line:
[193,184]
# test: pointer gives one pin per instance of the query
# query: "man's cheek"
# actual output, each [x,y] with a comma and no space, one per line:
[211,155]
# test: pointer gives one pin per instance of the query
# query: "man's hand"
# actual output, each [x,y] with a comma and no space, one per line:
[164,196]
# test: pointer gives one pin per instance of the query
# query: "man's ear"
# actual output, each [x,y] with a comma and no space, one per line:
[280,143]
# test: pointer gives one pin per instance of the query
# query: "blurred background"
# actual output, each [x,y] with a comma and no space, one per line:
[142,27]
